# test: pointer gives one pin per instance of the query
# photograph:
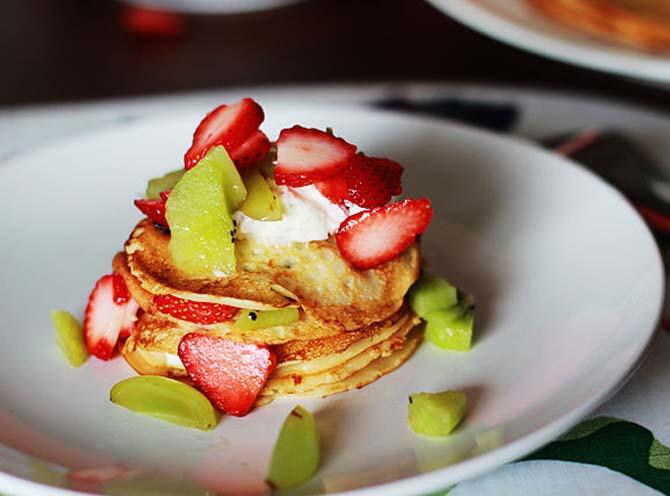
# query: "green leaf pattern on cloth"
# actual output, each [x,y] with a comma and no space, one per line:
[659,455]
[618,445]
[587,428]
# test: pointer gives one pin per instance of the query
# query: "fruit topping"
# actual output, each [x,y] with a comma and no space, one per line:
[227,125]
[372,237]
[252,151]
[198,312]
[233,185]
[436,414]
[335,188]
[167,399]
[297,450]
[306,156]
[164,183]
[372,182]
[368,182]
[229,373]
[249,320]
[199,214]
[451,328]
[70,337]
[261,203]
[105,319]
[431,293]
[153,209]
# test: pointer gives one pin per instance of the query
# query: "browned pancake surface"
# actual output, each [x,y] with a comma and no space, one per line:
[314,274]
[641,24]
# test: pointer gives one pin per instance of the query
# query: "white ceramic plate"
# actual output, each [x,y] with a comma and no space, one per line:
[517,23]
[567,279]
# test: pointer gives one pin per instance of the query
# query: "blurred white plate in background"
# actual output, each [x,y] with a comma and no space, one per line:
[515,22]
[211,6]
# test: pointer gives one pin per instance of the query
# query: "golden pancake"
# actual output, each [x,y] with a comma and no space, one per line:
[362,377]
[314,274]
[152,349]
[343,367]
[149,261]
[309,357]
[642,24]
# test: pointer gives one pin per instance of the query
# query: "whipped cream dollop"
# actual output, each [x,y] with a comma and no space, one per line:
[308,216]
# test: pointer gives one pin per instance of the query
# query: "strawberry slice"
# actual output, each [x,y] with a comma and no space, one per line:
[226,125]
[306,156]
[368,182]
[153,209]
[372,182]
[335,188]
[252,151]
[229,373]
[198,312]
[107,316]
[375,236]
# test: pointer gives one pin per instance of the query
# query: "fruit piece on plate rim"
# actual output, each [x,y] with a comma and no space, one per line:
[106,320]
[297,451]
[164,398]
[70,337]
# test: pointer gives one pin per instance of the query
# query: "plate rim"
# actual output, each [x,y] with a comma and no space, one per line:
[433,480]
[619,61]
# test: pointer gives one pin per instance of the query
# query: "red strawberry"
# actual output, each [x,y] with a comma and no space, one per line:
[306,156]
[153,209]
[335,188]
[105,319]
[372,182]
[375,236]
[120,292]
[198,312]
[165,195]
[229,373]
[367,181]
[152,23]
[226,125]
[252,151]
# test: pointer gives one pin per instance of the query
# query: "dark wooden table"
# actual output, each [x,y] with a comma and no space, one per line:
[68,50]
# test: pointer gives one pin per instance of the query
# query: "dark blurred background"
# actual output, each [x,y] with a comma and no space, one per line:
[64,50]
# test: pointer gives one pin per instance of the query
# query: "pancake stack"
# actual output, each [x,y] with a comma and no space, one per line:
[354,325]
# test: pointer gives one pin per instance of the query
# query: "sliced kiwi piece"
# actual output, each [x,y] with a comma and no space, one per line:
[436,414]
[431,293]
[261,203]
[70,337]
[451,328]
[233,184]
[297,451]
[163,183]
[199,213]
[166,399]
[248,320]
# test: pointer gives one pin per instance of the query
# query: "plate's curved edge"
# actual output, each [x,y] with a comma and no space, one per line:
[434,480]
[501,29]
[473,466]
